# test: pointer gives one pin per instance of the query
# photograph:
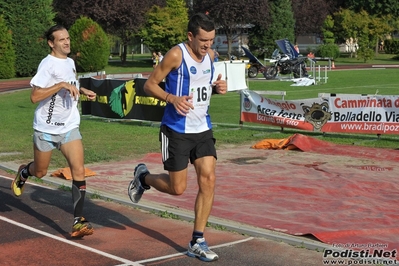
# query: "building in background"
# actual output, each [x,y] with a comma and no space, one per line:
[309,42]
[239,38]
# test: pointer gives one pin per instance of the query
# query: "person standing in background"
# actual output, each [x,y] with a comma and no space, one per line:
[296,48]
[216,58]
[155,60]
[160,57]
[56,123]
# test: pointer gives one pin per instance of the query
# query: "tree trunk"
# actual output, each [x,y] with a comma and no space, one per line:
[228,38]
[376,47]
[123,54]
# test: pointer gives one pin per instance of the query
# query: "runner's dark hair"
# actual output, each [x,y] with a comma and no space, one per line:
[49,33]
[200,21]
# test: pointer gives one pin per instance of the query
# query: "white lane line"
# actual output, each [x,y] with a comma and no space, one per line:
[128,262]
[184,253]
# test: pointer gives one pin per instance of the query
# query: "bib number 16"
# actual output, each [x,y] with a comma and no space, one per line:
[200,94]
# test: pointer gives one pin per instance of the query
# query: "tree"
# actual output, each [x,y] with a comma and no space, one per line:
[259,44]
[310,14]
[328,27]
[28,26]
[374,7]
[383,12]
[380,27]
[165,27]
[7,52]
[362,27]
[122,18]
[230,14]
[126,18]
[329,48]
[68,11]
[281,26]
[89,45]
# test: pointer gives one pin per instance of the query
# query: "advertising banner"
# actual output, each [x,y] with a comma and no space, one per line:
[121,99]
[374,114]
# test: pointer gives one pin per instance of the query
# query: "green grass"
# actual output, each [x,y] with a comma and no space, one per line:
[106,140]
[382,58]
[139,63]
[345,59]
[168,215]
[364,81]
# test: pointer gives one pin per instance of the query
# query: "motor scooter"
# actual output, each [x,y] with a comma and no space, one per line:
[284,64]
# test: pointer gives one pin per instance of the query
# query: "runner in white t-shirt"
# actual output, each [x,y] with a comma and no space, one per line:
[56,123]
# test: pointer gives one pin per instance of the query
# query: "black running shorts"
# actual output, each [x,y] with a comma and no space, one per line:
[178,148]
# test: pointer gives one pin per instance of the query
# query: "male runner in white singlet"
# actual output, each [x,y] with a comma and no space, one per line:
[186,129]
[56,123]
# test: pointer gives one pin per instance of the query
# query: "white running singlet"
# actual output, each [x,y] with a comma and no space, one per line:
[191,78]
[58,113]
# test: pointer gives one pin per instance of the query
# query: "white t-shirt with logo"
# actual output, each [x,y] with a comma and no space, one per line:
[58,113]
